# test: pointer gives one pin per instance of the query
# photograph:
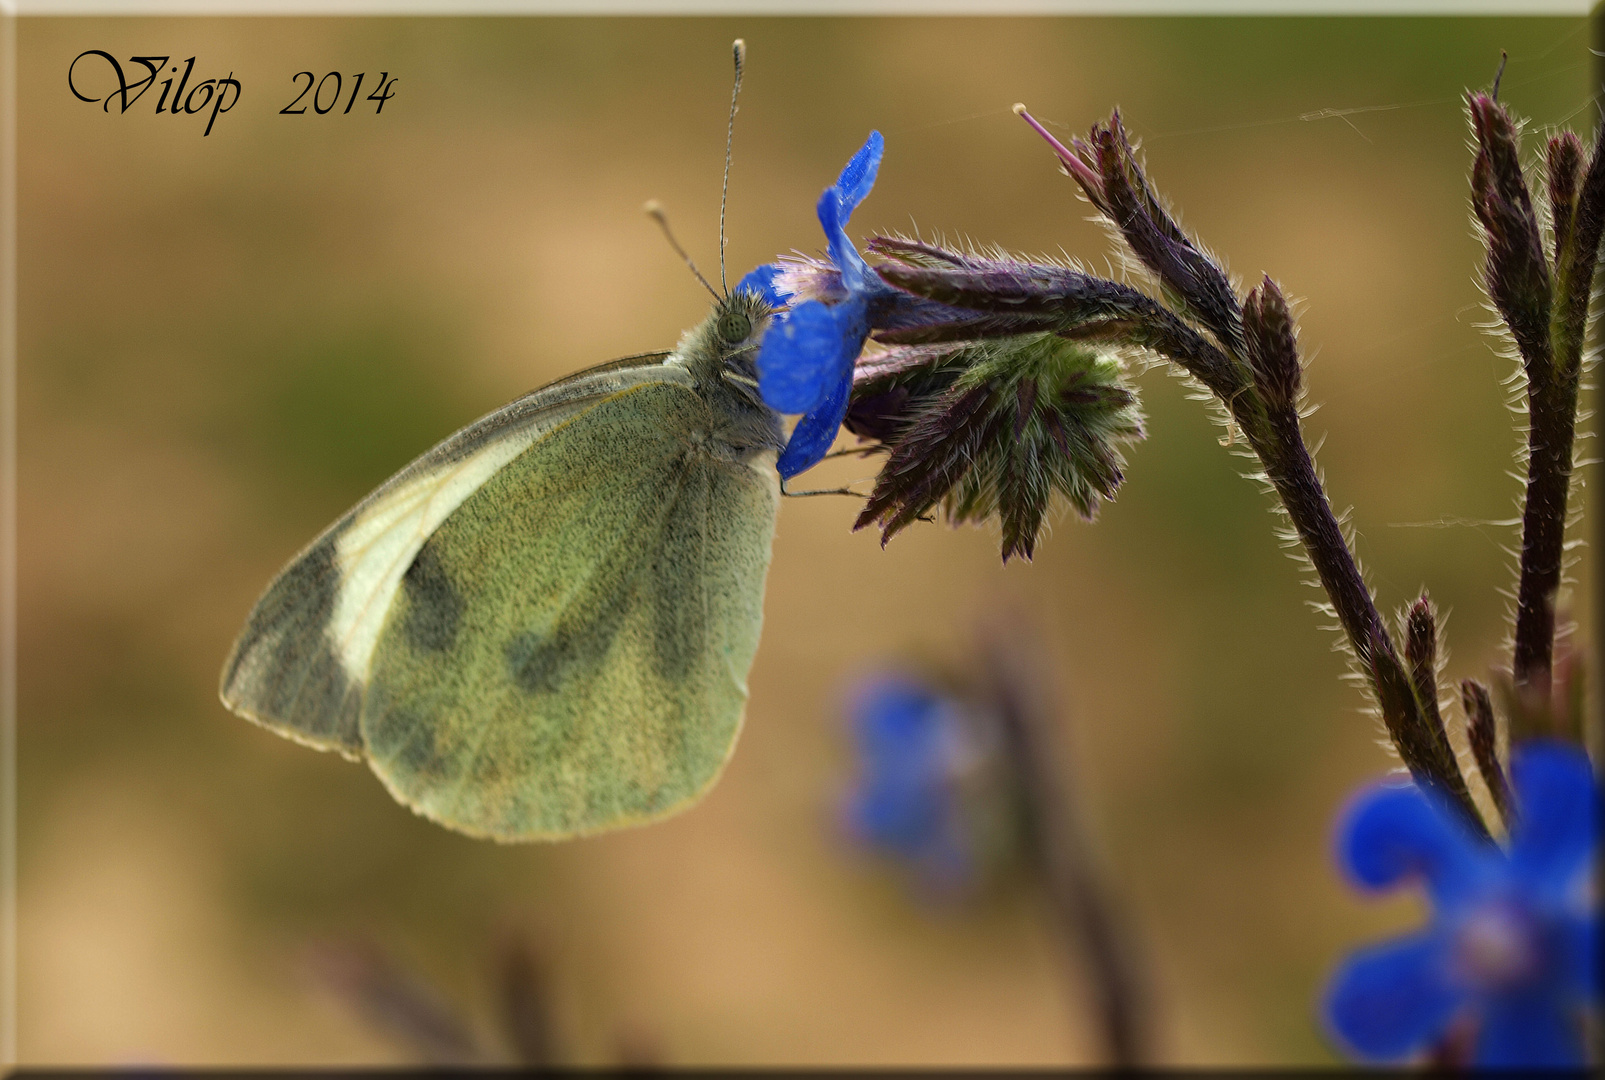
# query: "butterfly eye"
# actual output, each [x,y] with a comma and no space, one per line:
[734,327]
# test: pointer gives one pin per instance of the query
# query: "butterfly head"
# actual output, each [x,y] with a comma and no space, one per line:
[721,353]
[733,326]
[724,346]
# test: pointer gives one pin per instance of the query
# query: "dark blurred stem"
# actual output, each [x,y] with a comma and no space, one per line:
[525,1005]
[394,1003]
[1275,435]
[1058,848]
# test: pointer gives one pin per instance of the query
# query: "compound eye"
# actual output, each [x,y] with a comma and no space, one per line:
[733,327]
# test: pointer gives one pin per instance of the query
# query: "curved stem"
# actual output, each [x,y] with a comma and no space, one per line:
[1276,437]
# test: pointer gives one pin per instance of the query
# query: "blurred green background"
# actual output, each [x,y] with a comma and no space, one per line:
[226,340]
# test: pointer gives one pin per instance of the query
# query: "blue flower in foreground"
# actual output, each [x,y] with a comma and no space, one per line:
[806,362]
[914,752]
[1512,947]
[761,280]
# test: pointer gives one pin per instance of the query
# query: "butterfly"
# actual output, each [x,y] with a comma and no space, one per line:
[542,627]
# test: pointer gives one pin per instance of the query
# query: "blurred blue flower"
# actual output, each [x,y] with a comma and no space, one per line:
[806,362]
[915,754]
[1512,947]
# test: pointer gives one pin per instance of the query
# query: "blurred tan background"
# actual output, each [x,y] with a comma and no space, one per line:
[227,340]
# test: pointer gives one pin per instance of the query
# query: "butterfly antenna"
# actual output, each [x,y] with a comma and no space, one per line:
[654,210]
[739,48]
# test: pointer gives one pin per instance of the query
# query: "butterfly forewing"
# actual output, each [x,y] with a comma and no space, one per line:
[300,665]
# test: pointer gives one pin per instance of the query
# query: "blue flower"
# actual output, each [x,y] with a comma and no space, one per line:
[761,280]
[1512,947]
[806,362]
[915,754]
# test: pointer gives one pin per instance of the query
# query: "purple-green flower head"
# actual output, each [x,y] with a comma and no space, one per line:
[917,755]
[993,428]
[1511,950]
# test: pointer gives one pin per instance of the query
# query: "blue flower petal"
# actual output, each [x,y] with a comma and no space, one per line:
[906,803]
[761,280]
[1388,1001]
[805,364]
[854,270]
[1394,833]
[888,715]
[901,801]
[1576,962]
[1556,801]
[815,433]
[836,206]
[1529,1030]
[801,359]
[920,827]
[856,179]
[1526,993]
[902,816]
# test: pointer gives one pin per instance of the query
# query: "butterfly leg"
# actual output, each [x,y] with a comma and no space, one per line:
[861,451]
[820,491]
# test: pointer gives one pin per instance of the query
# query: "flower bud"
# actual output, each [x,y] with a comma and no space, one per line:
[1563,165]
[1483,735]
[1268,332]
[1515,274]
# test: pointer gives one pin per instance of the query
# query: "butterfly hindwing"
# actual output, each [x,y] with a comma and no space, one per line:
[567,651]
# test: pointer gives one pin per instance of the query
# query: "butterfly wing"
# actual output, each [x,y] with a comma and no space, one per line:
[300,665]
[538,631]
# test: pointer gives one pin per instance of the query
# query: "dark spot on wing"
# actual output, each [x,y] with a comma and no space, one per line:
[433,604]
[534,662]
[541,663]
[403,736]
[301,598]
[487,769]
[283,669]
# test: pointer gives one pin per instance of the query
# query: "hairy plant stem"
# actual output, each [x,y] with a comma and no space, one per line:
[1422,745]
[1545,305]
[1274,434]
[1552,387]
[1551,431]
